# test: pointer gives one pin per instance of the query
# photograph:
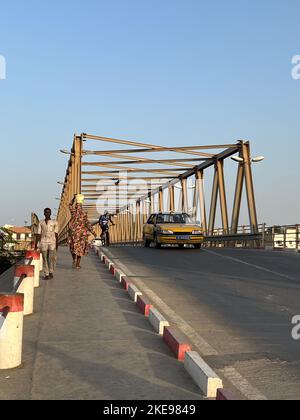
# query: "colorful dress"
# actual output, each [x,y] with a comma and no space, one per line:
[79,230]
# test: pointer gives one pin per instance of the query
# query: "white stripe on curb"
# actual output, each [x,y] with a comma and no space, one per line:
[207,380]
[134,292]
[108,263]
[119,275]
[157,321]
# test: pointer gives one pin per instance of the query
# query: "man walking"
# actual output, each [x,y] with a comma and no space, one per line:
[48,238]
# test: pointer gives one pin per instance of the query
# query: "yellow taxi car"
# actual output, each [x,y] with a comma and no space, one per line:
[172,229]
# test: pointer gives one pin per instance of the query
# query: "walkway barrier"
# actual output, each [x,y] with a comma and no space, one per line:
[11,330]
[24,283]
[16,302]
[34,257]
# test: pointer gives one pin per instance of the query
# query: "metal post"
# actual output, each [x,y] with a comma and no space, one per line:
[138,221]
[223,200]
[250,188]
[195,202]
[200,187]
[77,163]
[172,199]
[161,200]
[213,205]
[237,198]
[184,206]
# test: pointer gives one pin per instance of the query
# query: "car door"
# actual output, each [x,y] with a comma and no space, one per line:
[149,228]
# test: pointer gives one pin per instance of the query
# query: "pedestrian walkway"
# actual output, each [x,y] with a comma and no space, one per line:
[88,341]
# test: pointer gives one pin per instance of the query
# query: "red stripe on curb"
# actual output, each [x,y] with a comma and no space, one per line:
[112,269]
[176,343]
[125,283]
[24,270]
[223,395]
[12,303]
[35,255]
[144,305]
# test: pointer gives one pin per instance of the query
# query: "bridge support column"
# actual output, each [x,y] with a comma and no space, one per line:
[213,206]
[172,198]
[200,187]
[223,200]
[184,197]
[250,188]
[237,198]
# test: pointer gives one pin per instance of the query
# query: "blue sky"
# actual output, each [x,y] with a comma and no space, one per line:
[166,72]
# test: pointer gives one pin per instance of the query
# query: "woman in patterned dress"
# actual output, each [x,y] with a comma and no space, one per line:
[79,230]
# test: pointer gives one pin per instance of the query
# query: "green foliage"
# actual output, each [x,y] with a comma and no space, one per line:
[7,257]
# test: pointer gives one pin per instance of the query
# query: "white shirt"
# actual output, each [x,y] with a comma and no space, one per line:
[48,231]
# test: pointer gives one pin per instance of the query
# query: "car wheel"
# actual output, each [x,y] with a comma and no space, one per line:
[197,246]
[181,246]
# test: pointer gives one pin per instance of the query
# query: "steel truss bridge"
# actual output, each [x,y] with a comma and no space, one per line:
[134,179]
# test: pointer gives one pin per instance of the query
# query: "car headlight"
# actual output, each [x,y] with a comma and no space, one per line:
[197,232]
[166,232]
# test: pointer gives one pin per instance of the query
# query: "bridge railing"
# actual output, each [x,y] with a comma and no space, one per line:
[274,237]
[286,237]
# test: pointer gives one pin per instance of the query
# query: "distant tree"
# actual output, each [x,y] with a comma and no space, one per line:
[7,257]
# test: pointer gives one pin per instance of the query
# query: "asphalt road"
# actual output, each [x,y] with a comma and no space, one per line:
[241,302]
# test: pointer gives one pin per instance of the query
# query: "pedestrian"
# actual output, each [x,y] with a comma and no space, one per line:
[47,238]
[79,231]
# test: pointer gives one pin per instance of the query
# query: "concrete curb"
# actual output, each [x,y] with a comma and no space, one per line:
[207,380]
[176,343]
[134,292]
[157,321]
[125,283]
[144,305]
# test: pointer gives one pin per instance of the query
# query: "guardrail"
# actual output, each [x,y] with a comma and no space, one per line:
[251,240]
[285,237]
[275,237]
[16,302]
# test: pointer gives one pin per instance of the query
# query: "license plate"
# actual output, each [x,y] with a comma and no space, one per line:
[183,238]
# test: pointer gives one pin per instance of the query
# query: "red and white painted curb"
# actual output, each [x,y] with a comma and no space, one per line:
[34,258]
[24,283]
[11,331]
[207,380]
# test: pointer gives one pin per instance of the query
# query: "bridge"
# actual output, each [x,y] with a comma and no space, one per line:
[169,324]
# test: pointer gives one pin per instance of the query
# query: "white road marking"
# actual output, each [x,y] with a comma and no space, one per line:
[232,375]
[258,267]
[205,349]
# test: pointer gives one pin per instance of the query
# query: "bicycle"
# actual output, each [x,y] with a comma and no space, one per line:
[105,236]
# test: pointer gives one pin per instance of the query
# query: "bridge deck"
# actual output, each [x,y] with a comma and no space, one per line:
[87,340]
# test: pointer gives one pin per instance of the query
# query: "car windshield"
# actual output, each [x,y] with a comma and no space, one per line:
[174,218]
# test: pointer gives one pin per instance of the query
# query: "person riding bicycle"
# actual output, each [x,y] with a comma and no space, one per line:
[104,221]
